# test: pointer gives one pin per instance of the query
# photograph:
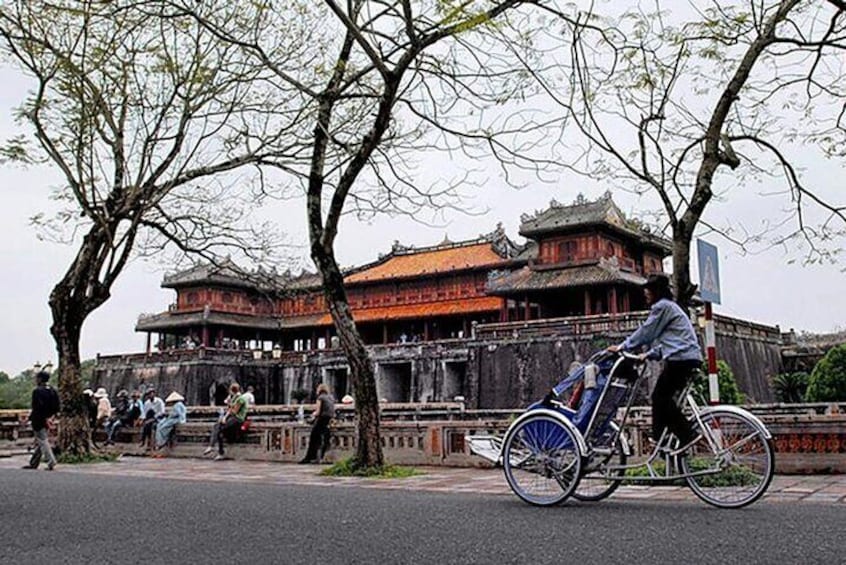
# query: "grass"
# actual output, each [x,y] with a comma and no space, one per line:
[71,459]
[345,468]
[729,477]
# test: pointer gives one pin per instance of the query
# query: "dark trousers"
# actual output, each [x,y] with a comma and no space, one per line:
[319,439]
[666,412]
[147,429]
[228,429]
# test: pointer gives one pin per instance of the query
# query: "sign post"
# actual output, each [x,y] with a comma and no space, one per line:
[709,289]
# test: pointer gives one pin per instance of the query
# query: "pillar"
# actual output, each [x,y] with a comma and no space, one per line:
[587,302]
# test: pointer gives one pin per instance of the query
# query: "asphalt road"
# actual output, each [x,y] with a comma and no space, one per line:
[76,518]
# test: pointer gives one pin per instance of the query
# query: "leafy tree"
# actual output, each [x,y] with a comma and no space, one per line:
[4,377]
[729,392]
[16,393]
[790,387]
[828,379]
[137,112]
[378,82]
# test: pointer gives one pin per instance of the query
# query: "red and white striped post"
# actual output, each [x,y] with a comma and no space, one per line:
[711,351]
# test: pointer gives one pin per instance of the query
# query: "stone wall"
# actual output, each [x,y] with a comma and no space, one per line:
[502,366]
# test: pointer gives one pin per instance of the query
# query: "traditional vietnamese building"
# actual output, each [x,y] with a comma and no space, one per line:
[409,294]
[487,319]
[583,259]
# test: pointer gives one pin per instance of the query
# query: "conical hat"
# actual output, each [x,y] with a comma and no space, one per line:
[174,397]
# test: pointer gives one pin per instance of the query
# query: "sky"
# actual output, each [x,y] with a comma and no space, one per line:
[772,287]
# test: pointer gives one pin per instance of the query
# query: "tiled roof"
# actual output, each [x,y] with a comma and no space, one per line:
[527,279]
[603,211]
[170,320]
[430,309]
[428,262]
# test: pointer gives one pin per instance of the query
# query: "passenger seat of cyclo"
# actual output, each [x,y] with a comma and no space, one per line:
[585,383]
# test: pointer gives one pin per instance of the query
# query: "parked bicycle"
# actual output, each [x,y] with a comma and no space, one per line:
[576,446]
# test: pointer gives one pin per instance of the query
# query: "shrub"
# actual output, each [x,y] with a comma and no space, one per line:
[828,379]
[790,387]
[729,393]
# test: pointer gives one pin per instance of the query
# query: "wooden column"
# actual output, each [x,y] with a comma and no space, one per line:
[384,333]
[205,338]
[426,332]
[503,311]
[587,302]
[527,308]
[612,300]
[149,340]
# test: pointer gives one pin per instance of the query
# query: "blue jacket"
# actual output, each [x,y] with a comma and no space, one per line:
[668,332]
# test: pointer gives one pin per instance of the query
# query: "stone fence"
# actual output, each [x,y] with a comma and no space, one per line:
[809,438]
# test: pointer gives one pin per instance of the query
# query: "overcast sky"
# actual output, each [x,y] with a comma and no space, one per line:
[764,288]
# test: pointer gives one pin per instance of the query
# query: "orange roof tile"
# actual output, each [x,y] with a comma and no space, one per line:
[429,309]
[430,262]
[406,311]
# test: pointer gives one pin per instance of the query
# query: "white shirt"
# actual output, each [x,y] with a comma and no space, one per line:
[250,398]
[157,405]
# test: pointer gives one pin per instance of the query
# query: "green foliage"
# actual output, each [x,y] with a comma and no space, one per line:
[729,477]
[729,393]
[790,387]
[347,468]
[71,459]
[828,379]
[16,393]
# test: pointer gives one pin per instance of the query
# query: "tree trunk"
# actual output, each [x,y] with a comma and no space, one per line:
[362,377]
[684,288]
[74,433]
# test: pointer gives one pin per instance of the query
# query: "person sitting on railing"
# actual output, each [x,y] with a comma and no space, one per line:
[230,423]
[154,410]
[670,334]
[104,409]
[177,414]
[120,417]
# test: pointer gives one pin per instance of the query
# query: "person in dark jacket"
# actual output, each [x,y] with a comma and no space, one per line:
[45,405]
[318,442]
[123,416]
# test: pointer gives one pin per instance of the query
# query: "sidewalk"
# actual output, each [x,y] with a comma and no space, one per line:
[827,489]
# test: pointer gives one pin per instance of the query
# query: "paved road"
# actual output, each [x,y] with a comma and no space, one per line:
[89,517]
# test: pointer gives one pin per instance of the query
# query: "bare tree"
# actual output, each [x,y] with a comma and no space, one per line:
[381,82]
[137,112]
[669,102]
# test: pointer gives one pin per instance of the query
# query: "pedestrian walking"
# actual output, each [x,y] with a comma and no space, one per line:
[318,442]
[45,405]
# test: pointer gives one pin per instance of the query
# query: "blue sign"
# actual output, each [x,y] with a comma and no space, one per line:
[709,272]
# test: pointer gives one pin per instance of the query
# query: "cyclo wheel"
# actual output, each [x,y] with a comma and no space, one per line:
[743,462]
[595,484]
[541,458]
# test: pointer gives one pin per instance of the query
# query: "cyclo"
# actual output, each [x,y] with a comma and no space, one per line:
[577,447]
